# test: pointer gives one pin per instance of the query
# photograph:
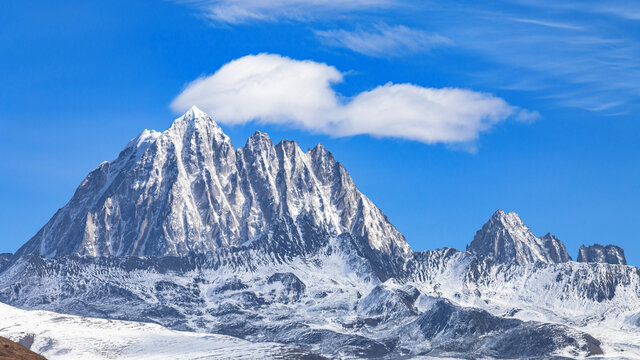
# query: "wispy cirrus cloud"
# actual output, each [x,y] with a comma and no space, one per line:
[552,24]
[243,11]
[622,9]
[274,89]
[383,40]
[578,54]
[576,58]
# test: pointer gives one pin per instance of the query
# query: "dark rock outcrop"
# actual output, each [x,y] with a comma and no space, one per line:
[596,253]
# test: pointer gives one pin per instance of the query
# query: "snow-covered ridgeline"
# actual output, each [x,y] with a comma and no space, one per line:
[330,302]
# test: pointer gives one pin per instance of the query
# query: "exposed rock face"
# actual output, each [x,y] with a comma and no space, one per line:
[609,254]
[506,239]
[188,190]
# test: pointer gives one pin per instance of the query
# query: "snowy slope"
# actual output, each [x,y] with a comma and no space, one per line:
[66,337]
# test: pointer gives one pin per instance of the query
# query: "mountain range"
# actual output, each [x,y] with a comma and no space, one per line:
[271,244]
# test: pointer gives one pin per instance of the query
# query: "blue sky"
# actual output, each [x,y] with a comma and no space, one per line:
[442,113]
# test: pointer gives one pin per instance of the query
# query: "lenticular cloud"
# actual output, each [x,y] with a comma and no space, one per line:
[271,88]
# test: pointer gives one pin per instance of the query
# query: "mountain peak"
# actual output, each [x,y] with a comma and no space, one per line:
[507,239]
[259,136]
[259,141]
[499,213]
[194,117]
[508,219]
[195,112]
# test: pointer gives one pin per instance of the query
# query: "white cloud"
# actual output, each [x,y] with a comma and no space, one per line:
[275,89]
[527,116]
[383,40]
[429,115]
[622,9]
[241,11]
[270,88]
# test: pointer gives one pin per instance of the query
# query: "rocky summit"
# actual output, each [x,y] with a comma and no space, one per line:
[505,238]
[268,244]
[609,254]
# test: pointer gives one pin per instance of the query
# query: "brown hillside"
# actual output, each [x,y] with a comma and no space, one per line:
[13,351]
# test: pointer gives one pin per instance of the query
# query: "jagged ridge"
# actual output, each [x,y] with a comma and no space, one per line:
[188,190]
[609,254]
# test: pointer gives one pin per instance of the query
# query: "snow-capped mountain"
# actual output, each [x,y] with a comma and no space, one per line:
[271,244]
[188,190]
